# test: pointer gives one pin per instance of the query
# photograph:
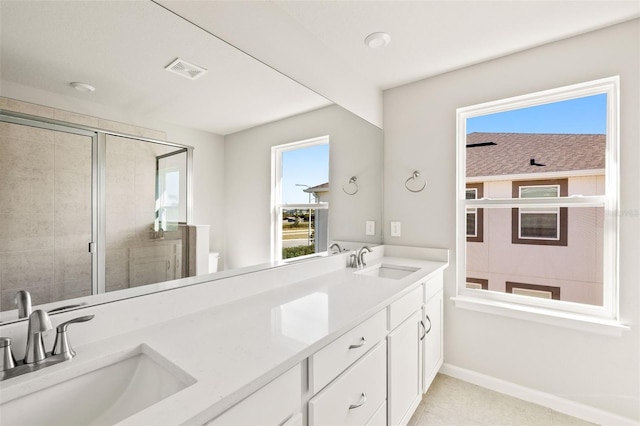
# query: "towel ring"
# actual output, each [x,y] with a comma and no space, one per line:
[352,182]
[415,176]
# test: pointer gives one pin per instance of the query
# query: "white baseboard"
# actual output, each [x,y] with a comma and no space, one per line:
[548,400]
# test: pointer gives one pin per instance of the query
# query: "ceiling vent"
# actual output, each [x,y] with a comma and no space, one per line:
[185,69]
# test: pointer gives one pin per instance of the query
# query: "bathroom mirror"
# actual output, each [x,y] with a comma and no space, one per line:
[232,114]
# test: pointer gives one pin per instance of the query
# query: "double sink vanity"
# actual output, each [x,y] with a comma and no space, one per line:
[310,343]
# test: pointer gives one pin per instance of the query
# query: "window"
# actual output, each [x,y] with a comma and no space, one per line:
[477,283]
[538,185]
[533,290]
[300,196]
[475,225]
[542,225]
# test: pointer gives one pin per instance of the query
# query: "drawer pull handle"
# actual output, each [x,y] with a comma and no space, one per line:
[363,399]
[428,319]
[359,345]
[424,333]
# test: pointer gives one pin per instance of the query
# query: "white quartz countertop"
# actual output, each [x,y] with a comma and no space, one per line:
[234,349]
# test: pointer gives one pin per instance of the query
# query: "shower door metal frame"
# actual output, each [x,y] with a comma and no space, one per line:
[97,245]
[23,120]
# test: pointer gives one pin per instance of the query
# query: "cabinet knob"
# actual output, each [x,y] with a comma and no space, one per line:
[363,399]
[363,341]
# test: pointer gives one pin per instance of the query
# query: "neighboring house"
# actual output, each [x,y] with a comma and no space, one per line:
[321,227]
[551,252]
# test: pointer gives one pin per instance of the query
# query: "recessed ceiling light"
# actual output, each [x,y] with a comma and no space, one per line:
[377,40]
[83,87]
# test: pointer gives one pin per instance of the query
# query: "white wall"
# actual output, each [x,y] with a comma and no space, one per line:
[419,126]
[355,148]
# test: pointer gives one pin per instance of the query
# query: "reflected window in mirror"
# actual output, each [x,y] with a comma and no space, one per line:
[300,195]
[171,203]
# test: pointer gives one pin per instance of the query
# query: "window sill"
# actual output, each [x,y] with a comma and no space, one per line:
[585,323]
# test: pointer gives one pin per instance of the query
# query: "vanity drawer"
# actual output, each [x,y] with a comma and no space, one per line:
[334,358]
[433,285]
[380,416]
[355,397]
[272,404]
[402,308]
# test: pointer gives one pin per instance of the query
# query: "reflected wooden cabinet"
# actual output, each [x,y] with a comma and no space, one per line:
[155,262]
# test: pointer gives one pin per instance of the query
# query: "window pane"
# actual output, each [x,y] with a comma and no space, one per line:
[576,269]
[539,191]
[538,225]
[303,231]
[471,223]
[471,194]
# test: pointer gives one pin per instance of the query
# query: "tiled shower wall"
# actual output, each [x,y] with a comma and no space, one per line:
[130,203]
[45,212]
[45,207]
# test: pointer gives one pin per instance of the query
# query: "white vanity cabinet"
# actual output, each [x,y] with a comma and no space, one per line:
[356,396]
[374,374]
[276,403]
[348,376]
[404,364]
[432,344]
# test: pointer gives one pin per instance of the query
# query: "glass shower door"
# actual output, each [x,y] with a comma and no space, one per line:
[46,213]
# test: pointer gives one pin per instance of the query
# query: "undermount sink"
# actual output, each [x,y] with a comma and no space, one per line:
[393,272]
[104,395]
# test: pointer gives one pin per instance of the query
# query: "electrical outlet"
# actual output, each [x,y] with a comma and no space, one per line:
[370,227]
[396,229]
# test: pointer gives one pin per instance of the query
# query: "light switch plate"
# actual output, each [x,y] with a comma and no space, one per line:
[396,229]
[370,227]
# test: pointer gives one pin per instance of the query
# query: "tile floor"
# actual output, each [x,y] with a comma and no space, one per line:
[452,402]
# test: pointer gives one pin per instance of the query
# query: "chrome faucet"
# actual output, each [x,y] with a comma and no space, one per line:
[62,346]
[23,300]
[39,322]
[335,245]
[360,257]
[36,358]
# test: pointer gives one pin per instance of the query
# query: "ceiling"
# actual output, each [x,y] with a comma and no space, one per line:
[433,37]
[122,47]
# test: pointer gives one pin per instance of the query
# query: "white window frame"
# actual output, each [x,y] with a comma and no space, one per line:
[277,206]
[603,319]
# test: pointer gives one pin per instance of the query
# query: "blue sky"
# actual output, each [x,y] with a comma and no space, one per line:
[305,166]
[582,115]
[310,166]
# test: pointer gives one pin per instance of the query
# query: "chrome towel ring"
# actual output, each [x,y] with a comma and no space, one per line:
[353,186]
[414,177]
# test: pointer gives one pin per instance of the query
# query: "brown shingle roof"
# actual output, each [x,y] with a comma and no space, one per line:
[513,152]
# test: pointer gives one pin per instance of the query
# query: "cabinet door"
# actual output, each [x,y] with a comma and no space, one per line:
[270,405]
[404,368]
[432,342]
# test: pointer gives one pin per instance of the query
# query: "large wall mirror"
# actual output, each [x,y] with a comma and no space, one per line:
[176,159]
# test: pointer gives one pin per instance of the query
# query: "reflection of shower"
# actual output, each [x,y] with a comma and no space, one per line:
[171,190]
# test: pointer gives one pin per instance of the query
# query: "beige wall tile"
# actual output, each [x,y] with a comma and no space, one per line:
[23,270]
[117,268]
[26,107]
[23,232]
[72,265]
